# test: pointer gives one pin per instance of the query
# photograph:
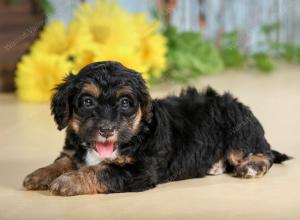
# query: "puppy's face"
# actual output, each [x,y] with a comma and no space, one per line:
[105,105]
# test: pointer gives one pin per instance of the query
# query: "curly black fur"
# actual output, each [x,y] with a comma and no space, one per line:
[179,137]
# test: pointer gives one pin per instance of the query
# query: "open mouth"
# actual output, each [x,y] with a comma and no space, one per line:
[105,149]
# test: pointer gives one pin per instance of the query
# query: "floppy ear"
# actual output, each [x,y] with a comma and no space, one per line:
[61,102]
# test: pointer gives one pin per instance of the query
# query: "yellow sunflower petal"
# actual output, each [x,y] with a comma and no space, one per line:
[37,74]
[52,39]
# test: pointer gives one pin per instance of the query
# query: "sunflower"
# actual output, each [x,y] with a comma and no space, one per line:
[152,49]
[113,32]
[38,73]
[99,32]
[57,39]
[109,24]
[52,39]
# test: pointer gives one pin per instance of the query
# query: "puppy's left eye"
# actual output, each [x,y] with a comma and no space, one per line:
[124,102]
[88,102]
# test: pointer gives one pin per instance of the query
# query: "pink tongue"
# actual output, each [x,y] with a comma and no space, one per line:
[105,149]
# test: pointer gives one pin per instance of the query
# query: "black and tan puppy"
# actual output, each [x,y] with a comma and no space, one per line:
[118,139]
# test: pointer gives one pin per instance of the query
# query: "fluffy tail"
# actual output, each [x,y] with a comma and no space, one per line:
[279,157]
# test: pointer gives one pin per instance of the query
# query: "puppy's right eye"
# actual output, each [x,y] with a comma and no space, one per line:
[124,103]
[88,102]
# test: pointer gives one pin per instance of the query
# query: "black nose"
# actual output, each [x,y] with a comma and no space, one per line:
[106,131]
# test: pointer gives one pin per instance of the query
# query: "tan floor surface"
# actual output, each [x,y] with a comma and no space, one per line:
[29,140]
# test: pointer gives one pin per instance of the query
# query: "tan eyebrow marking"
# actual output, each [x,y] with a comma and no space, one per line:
[137,120]
[92,89]
[126,90]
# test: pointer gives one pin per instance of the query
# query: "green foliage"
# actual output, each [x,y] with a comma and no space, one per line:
[230,51]
[153,10]
[298,54]
[286,51]
[289,52]
[46,6]
[263,62]
[273,47]
[233,57]
[190,55]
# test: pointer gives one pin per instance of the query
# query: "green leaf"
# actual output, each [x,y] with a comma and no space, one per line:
[190,55]
[263,62]
[46,6]
[230,51]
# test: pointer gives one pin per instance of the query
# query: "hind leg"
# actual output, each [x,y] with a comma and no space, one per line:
[249,165]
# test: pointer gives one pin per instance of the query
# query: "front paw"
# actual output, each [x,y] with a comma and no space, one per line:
[76,183]
[40,179]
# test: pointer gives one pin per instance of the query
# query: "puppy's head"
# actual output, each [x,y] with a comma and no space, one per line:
[105,105]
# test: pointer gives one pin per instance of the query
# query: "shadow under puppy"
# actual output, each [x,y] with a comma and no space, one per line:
[118,139]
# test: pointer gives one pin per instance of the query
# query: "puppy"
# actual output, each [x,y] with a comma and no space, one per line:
[120,140]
